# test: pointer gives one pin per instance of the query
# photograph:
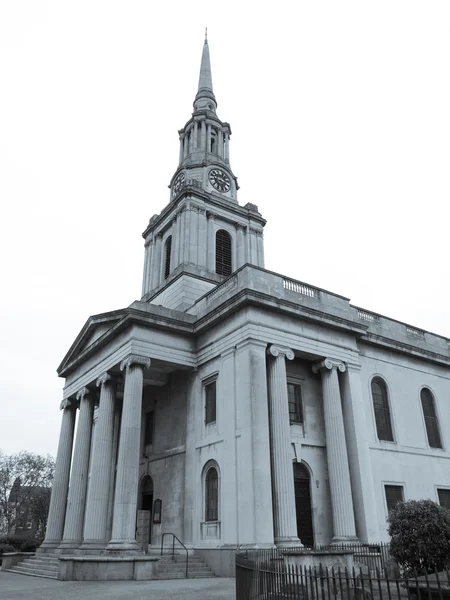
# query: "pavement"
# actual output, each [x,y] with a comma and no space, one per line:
[15,587]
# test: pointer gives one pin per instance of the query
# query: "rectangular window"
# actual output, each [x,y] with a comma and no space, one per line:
[295,403]
[394,494]
[149,425]
[444,498]
[210,403]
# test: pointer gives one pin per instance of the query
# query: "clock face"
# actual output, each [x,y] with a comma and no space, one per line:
[220,180]
[178,182]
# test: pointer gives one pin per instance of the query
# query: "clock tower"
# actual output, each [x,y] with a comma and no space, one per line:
[202,236]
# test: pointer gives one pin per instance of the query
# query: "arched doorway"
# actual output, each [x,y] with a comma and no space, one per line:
[302,486]
[146,499]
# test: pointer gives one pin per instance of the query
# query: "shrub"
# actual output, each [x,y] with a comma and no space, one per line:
[25,544]
[6,548]
[420,536]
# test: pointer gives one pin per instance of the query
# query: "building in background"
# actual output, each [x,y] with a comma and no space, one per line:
[239,407]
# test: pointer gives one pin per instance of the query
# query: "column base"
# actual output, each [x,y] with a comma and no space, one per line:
[97,546]
[128,546]
[340,540]
[69,545]
[47,547]
[288,542]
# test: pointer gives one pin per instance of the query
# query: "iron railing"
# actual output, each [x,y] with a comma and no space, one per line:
[174,537]
[273,575]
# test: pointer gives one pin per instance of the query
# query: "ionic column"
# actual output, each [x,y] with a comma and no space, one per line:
[181,148]
[203,135]
[147,261]
[57,510]
[240,255]
[125,499]
[260,244]
[156,262]
[220,143]
[76,501]
[338,470]
[175,243]
[195,129]
[211,242]
[208,138]
[285,521]
[359,462]
[227,147]
[96,520]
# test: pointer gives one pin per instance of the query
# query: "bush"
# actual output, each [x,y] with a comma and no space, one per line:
[20,543]
[6,548]
[25,544]
[420,536]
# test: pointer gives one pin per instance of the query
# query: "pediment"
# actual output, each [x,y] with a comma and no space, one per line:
[95,328]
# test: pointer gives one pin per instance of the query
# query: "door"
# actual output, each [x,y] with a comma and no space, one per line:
[302,486]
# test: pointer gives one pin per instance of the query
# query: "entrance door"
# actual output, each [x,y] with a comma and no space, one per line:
[147,500]
[302,486]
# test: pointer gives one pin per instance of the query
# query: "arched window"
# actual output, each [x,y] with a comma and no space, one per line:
[223,253]
[167,257]
[212,495]
[381,409]
[431,421]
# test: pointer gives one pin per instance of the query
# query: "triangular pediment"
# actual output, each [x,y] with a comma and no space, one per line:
[95,328]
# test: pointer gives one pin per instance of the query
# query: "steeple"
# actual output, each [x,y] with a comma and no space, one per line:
[202,235]
[204,143]
[205,98]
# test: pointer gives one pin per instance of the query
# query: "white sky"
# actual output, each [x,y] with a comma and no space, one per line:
[341,127]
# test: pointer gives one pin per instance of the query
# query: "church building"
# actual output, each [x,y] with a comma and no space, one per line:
[235,407]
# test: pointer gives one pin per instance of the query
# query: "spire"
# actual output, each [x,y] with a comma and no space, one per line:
[205,92]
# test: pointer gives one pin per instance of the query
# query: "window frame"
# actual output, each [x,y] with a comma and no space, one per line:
[207,384]
[207,469]
[391,484]
[298,383]
[437,425]
[387,408]
[442,489]
[231,265]
[167,256]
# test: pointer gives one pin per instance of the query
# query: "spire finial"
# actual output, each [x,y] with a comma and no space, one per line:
[205,95]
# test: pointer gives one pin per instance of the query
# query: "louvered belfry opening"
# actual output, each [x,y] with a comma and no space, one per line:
[223,253]
[167,261]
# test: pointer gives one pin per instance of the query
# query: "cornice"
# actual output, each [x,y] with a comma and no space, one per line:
[249,296]
[132,317]
[211,200]
[379,340]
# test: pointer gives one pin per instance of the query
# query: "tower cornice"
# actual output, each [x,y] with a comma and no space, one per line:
[191,192]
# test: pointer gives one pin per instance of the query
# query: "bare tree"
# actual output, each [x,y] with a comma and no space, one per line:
[25,481]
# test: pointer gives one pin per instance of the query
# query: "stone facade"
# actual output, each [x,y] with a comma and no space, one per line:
[224,377]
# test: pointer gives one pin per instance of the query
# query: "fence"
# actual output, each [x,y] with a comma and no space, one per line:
[271,575]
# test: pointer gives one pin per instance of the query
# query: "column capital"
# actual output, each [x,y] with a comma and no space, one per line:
[210,215]
[65,404]
[282,351]
[106,378]
[135,359]
[84,391]
[328,364]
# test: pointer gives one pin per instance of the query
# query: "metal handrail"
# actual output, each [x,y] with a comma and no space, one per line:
[174,537]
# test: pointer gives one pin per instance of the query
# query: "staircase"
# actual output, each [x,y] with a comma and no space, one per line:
[38,566]
[176,569]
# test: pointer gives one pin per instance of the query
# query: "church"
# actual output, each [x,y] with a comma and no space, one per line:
[235,407]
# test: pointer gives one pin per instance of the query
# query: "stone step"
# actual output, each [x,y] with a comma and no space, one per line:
[38,565]
[33,571]
[43,559]
[201,575]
